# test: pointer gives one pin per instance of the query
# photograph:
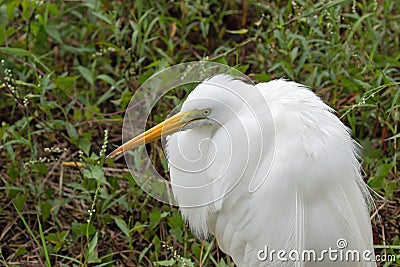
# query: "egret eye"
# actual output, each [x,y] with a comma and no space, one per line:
[206,112]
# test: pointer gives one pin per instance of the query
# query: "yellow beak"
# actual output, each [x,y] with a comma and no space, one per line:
[165,128]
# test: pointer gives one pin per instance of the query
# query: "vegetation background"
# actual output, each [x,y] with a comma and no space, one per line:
[69,68]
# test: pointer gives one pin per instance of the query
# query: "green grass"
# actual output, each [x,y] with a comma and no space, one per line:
[69,68]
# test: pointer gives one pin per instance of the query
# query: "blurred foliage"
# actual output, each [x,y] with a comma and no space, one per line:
[69,69]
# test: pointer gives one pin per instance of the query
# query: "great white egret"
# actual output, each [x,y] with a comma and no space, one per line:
[270,171]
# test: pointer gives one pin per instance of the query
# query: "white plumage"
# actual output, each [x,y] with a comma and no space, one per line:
[271,165]
[265,168]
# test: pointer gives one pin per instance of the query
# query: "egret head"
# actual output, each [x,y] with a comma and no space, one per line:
[211,104]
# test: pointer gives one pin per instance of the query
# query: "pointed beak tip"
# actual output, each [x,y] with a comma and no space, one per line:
[113,154]
[169,126]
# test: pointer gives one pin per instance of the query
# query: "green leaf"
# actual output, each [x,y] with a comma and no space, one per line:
[104,97]
[294,53]
[93,243]
[86,74]
[263,77]
[144,251]
[71,131]
[65,82]
[241,31]
[19,201]
[393,137]
[6,33]
[15,51]
[106,79]
[103,17]
[122,226]
[258,23]
[53,32]
[58,239]
[170,262]
[177,233]
[390,187]
[156,216]
[378,181]
[93,256]
[95,172]
[138,227]
[21,251]
[175,220]
[45,208]
[42,238]
[80,228]
[383,170]
[84,144]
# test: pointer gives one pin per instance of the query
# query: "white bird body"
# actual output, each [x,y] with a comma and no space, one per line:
[267,168]
[289,180]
